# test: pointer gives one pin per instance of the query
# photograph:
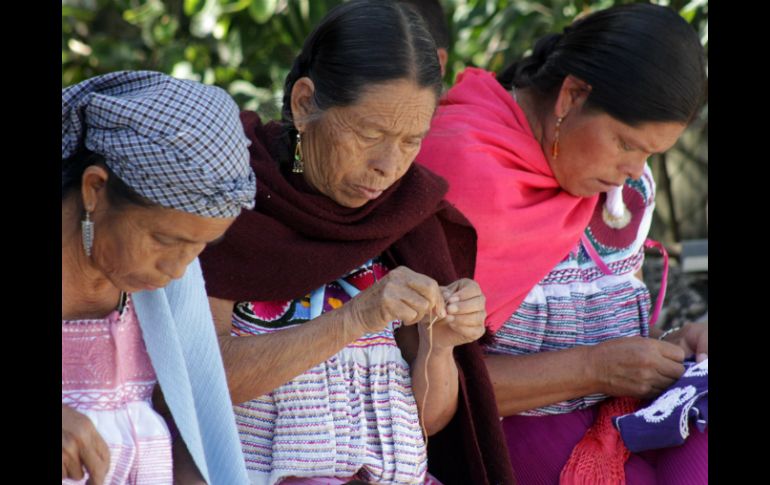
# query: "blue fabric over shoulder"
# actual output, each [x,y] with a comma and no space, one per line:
[179,334]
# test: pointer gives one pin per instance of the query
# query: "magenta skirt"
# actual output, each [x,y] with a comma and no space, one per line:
[539,446]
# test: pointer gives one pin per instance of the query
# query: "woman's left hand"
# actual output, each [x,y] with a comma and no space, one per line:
[693,338]
[465,305]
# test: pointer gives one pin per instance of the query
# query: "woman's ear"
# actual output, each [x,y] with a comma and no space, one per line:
[93,185]
[302,105]
[572,95]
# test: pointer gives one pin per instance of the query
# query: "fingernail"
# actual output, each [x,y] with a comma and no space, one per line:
[454,299]
[452,308]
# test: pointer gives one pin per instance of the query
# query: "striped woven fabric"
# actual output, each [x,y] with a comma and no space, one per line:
[107,375]
[577,304]
[354,414]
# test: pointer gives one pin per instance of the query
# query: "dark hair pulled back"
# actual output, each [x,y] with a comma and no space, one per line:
[644,63]
[355,46]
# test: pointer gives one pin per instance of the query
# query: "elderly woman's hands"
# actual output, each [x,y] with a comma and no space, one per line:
[465,305]
[635,366]
[82,446]
[401,295]
[693,338]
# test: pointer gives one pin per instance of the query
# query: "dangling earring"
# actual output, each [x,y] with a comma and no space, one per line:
[555,147]
[87,227]
[298,166]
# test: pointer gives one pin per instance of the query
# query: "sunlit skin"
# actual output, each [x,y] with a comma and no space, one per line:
[443,57]
[135,248]
[596,152]
[352,154]
[146,249]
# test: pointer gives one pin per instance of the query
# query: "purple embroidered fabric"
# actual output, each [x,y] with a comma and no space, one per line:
[666,421]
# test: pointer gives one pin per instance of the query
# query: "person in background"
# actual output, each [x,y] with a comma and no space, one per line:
[435,20]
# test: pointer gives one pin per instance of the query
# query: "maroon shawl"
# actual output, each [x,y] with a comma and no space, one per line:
[296,239]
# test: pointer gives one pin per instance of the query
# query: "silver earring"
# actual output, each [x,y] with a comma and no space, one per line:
[87,227]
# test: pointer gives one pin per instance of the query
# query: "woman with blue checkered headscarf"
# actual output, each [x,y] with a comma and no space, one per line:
[153,169]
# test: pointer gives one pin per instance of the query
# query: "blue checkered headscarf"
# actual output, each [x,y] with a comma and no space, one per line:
[177,143]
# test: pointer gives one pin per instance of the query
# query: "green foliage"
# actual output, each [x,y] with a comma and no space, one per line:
[247,47]
[232,42]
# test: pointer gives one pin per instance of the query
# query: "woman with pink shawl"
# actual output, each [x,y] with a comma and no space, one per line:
[548,162]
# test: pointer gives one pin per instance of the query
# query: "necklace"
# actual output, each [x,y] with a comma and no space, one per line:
[122,301]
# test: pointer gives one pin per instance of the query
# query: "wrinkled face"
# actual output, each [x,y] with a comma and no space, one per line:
[139,248]
[352,154]
[597,152]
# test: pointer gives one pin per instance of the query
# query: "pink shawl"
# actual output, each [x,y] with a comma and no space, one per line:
[499,178]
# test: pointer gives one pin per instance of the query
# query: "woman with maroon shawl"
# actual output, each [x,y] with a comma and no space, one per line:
[343,301]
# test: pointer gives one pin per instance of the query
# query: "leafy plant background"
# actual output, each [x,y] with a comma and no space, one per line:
[247,47]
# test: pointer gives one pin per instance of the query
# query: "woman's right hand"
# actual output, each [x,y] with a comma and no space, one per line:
[635,366]
[401,295]
[82,446]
